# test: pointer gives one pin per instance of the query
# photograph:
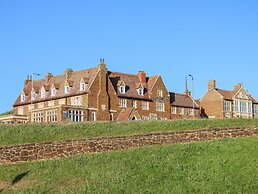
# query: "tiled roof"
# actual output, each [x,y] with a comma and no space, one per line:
[254,100]
[59,83]
[124,114]
[227,94]
[182,100]
[132,82]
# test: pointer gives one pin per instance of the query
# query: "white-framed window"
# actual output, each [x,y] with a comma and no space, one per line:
[134,104]
[160,93]
[173,110]
[250,107]
[236,105]
[140,91]
[42,93]
[51,103]
[122,102]
[23,97]
[160,106]
[67,89]
[75,115]
[191,111]
[41,105]
[76,101]
[181,111]
[31,106]
[145,105]
[38,117]
[93,116]
[61,101]
[122,89]
[83,86]
[33,95]
[227,106]
[53,91]
[243,107]
[20,110]
[51,116]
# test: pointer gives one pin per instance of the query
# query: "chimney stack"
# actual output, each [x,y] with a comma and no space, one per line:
[142,76]
[102,66]
[212,85]
[237,87]
[68,73]
[48,77]
[26,81]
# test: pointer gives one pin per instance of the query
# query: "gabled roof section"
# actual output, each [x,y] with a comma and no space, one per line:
[124,114]
[59,82]
[152,81]
[227,94]
[132,83]
[182,100]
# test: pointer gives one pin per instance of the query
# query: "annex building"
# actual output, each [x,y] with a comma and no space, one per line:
[220,103]
[97,94]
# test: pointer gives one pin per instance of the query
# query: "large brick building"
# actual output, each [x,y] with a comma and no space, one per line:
[97,94]
[219,103]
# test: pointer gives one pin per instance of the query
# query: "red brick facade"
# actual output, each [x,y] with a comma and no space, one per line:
[97,94]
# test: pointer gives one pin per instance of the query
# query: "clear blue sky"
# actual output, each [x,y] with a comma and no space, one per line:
[215,39]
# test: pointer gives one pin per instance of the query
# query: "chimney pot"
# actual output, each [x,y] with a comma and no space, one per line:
[142,76]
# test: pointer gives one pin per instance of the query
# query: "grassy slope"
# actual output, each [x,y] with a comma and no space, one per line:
[219,166]
[18,134]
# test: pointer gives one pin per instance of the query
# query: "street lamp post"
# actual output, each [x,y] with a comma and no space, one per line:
[192,93]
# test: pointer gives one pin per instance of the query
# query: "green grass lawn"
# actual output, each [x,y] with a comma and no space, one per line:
[218,166]
[29,133]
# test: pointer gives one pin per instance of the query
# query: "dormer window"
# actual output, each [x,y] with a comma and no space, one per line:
[122,89]
[67,89]
[53,91]
[83,84]
[43,93]
[141,91]
[22,97]
[33,95]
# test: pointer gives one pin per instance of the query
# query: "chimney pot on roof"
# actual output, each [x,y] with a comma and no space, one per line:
[211,84]
[237,86]
[48,77]
[142,76]
[68,73]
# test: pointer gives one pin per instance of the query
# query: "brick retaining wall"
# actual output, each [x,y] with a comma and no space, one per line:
[59,149]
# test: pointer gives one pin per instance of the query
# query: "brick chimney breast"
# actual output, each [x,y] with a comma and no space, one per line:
[68,73]
[142,76]
[211,84]
[237,87]
[48,77]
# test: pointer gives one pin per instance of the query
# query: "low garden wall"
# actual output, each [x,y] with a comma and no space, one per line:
[59,149]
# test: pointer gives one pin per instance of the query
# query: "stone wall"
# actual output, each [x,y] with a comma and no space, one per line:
[59,149]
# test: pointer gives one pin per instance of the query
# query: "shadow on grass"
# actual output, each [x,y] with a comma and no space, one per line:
[16,179]
[19,177]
